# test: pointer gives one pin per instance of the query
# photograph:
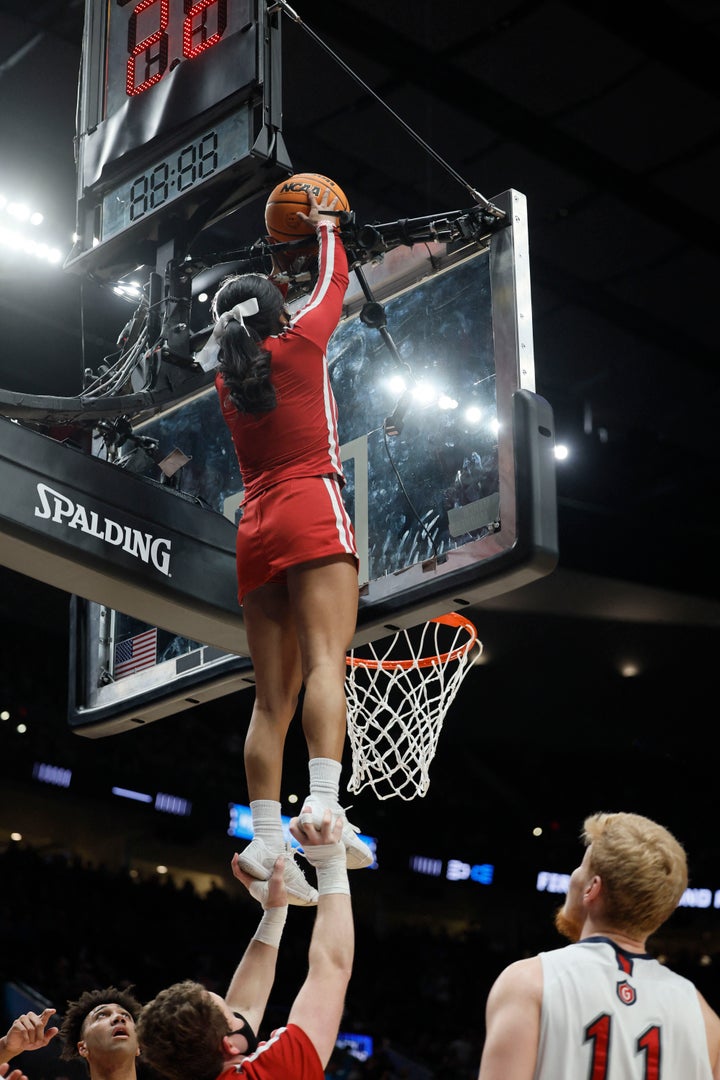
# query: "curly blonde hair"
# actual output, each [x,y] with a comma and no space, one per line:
[642,866]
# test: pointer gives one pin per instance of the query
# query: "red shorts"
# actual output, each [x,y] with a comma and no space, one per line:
[295,521]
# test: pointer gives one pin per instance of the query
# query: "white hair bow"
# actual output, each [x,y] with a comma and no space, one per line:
[207,358]
[238,313]
[245,307]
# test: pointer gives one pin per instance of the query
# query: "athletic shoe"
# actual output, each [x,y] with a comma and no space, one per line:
[258,860]
[357,854]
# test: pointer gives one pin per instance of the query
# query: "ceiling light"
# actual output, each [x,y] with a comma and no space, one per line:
[423,393]
[19,211]
[396,384]
[16,241]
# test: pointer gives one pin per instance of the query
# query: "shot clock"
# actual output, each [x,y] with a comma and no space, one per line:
[180,106]
[146,40]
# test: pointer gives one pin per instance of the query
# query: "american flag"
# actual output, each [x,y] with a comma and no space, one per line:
[135,653]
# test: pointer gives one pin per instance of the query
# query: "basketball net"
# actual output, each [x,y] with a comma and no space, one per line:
[398,693]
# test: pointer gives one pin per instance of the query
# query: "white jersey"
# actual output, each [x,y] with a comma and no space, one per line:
[612,1015]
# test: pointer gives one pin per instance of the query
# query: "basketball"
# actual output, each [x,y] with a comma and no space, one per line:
[281,210]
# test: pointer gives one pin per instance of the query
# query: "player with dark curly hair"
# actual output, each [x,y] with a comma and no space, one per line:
[99,1028]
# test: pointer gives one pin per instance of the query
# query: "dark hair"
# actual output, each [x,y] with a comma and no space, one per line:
[181,1032]
[244,364]
[77,1012]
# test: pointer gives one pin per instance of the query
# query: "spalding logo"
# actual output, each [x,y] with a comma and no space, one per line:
[626,993]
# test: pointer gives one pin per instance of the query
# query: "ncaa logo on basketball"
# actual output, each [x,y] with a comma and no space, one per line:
[294,185]
[626,993]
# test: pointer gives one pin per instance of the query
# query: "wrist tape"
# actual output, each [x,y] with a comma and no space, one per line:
[271,926]
[330,864]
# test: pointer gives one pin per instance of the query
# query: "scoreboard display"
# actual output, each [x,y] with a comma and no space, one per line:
[178,120]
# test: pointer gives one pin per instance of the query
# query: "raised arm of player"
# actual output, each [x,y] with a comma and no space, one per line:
[253,978]
[319,1005]
[317,319]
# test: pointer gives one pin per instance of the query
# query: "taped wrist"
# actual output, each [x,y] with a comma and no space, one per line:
[330,864]
[271,926]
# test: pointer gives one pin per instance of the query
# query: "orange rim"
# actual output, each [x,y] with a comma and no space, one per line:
[453,618]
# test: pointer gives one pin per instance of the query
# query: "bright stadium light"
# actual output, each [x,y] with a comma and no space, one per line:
[19,211]
[17,241]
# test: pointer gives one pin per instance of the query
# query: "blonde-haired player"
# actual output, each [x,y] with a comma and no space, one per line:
[602,1008]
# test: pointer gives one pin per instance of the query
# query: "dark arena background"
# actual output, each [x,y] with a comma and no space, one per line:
[596,688]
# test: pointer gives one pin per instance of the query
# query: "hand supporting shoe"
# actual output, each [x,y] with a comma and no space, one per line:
[357,853]
[258,860]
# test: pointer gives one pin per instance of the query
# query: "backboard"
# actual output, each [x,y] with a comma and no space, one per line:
[447,449]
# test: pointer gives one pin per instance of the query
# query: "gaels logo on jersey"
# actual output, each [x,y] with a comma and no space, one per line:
[626,993]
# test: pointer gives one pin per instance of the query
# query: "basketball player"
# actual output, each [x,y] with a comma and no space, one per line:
[297,562]
[100,1027]
[188,1031]
[601,1007]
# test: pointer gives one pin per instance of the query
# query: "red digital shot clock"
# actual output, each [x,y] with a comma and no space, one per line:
[148,38]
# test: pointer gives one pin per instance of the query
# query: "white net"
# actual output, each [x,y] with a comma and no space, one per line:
[398,693]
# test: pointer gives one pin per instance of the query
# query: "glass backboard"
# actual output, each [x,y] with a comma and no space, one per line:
[448,453]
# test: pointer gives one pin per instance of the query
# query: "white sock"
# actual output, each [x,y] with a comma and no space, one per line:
[267,823]
[325,781]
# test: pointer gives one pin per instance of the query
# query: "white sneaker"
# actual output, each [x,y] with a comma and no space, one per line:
[357,853]
[258,860]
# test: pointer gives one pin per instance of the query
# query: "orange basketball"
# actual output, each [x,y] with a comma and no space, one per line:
[281,210]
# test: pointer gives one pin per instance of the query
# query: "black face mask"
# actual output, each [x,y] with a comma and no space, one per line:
[245,1030]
